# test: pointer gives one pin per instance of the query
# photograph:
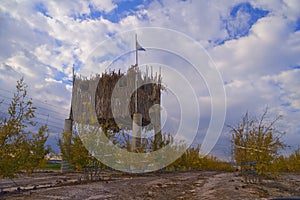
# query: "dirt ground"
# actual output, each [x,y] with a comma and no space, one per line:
[166,185]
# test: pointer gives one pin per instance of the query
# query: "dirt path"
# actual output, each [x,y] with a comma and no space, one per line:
[224,186]
[180,185]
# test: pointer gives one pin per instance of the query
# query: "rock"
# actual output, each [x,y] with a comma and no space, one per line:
[155,187]
[150,193]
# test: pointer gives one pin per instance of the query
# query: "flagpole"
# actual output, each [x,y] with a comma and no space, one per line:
[136,51]
[136,70]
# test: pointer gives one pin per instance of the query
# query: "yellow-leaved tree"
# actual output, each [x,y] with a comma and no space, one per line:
[256,144]
[21,149]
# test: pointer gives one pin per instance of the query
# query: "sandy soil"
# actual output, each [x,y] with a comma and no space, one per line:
[175,185]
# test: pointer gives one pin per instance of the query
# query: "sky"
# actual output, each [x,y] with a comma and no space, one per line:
[255,46]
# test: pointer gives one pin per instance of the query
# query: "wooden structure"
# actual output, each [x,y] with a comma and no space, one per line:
[110,107]
[121,101]
[115,98]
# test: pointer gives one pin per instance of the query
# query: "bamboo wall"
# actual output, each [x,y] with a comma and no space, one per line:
[108,101]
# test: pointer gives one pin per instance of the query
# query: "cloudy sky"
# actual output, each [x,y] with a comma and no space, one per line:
[255,46]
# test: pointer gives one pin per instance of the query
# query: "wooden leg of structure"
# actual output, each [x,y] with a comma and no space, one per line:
[65,166]
[136,131]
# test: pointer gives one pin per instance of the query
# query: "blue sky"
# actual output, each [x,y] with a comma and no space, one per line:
[247,15]
[254,44]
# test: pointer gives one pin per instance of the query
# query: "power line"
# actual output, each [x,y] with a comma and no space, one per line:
[11,92]
[38,107]
[36,113]
[40,121]
[49,123]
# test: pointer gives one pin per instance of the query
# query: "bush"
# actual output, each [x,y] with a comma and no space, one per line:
[256,144]
[20,149]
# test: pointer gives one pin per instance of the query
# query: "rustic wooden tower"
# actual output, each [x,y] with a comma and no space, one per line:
[122,100]
[118,103]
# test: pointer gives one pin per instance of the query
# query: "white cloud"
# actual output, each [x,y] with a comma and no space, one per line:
[270,48]
[289,83]
[286,8]
[61,9]
[256,67]
[105,5]
[198,19]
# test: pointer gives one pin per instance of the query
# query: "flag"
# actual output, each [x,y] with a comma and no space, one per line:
[139,47]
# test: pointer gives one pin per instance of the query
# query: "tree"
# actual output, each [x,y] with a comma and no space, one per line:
[256,144]
[20,149]
[76,153]
[290,163]
[35,151]
[294,161]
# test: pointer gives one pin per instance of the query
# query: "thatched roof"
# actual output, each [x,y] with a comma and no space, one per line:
[115,96]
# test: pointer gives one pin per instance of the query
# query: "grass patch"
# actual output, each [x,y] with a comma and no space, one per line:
[51,166]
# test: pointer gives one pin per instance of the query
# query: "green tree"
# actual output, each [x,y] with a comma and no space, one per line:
[256,144]
[18,146]
[79,155]
[75,152]
[289,163]
[35,151]
[292,163]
